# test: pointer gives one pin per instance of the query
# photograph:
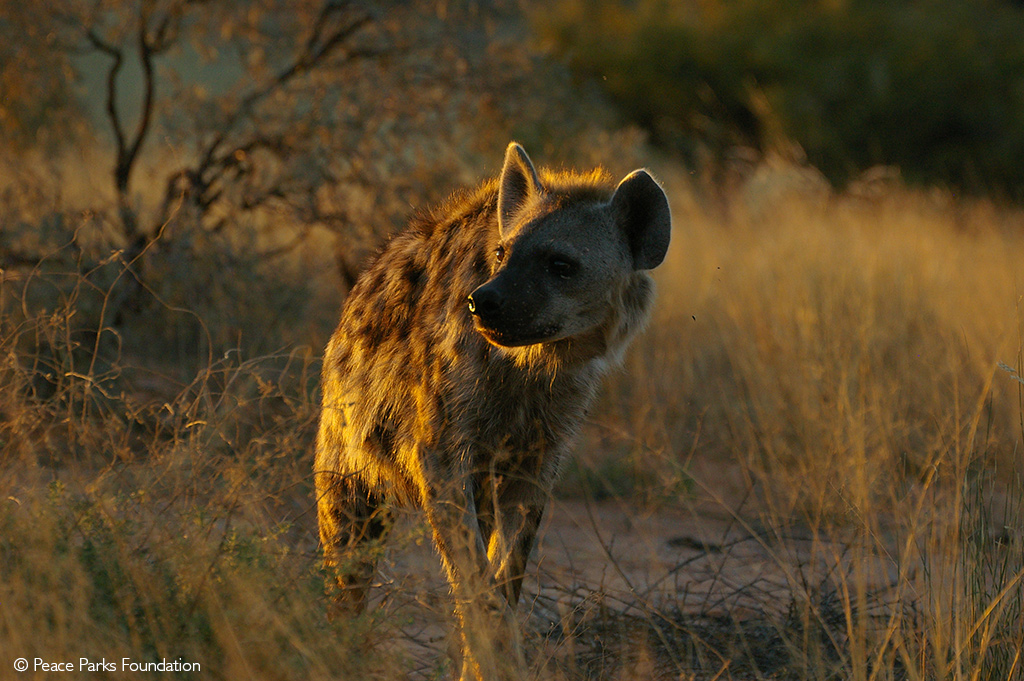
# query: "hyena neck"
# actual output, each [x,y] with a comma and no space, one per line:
[632,308]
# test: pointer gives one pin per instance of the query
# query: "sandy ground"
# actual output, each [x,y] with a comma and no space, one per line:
[611,561]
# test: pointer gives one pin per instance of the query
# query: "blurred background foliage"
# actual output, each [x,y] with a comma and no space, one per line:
[181,181]
[151,146]
[935,87]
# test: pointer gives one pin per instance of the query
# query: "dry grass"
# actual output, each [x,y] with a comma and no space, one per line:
[850,342]
[825,370]
[855,356]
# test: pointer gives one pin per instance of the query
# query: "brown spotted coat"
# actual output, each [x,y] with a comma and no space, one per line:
[421,409]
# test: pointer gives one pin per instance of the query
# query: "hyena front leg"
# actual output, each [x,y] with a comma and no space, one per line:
[353,522]
[510,513]
[489,641]
[508,550]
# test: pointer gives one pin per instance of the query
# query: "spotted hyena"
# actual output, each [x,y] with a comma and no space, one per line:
[463,365]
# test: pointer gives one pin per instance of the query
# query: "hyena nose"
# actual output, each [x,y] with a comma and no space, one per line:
[484,302]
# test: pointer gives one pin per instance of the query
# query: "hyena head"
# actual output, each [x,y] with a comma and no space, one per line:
[560,263]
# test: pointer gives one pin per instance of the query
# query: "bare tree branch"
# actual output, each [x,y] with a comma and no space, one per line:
[308,59]
[225,158]
[126,161]
[128,149]
[112,74]
[286,248]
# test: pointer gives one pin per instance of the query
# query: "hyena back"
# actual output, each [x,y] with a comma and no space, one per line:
[466,357]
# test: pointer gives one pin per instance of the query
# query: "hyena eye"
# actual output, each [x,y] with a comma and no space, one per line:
[499,254]
[562,267]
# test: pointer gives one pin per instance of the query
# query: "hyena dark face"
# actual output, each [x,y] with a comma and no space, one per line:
[557,268]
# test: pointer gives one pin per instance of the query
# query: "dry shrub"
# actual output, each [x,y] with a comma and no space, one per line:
[148,519]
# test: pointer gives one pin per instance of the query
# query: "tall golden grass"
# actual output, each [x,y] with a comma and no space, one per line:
[834,357]
[850,341]
[857,357]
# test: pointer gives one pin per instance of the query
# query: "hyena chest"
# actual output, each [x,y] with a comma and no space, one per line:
[525,422]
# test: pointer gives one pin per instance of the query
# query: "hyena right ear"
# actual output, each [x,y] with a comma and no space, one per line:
[641,210]
[518,184]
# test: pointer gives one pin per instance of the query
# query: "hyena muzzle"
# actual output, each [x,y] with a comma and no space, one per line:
[466,357]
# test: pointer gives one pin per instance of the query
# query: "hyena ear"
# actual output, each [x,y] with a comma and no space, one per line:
[518,184]
[641,210]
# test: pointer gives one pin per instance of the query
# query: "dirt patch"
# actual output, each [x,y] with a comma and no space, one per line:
[616,591]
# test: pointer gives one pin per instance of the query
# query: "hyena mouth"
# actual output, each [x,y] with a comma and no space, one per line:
[513,338]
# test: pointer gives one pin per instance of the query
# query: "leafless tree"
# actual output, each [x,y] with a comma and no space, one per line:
[288,118]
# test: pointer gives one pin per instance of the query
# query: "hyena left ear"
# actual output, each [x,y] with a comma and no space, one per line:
[518,184]
[641,210]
